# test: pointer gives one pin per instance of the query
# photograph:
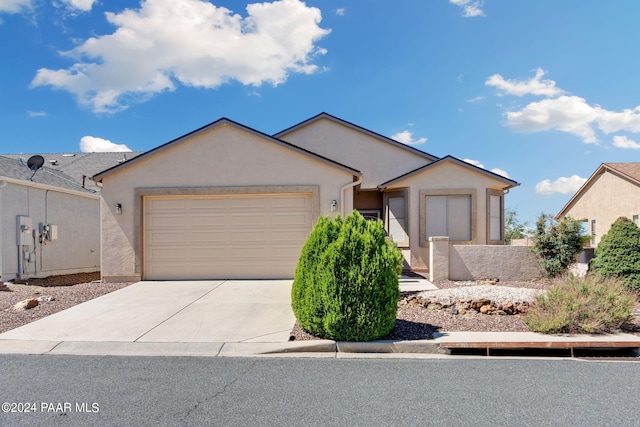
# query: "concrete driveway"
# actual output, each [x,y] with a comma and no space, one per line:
[222,311]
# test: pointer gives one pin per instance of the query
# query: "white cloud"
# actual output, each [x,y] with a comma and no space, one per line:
[341,11]
[561,185]
[14,6]
[497,171]
[612,121]
[406,137]
[93,144]
[533,86]
[83,5]
[500,172]
[191,42]
[471,8]
[566,113]
[476,99]
[624,142]
[474,162]
[569,114]
[36,113]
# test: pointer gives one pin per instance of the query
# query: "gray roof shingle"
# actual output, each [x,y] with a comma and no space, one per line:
[66,170]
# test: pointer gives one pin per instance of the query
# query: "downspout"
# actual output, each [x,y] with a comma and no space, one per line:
[345,188]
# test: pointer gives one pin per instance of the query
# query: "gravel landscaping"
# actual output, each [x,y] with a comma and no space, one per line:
[54,293]
[420,314]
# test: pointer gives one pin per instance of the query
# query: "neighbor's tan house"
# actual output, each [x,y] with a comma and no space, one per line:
[611,192]
[228,201]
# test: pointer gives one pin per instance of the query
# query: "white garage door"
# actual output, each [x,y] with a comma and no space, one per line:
[241,236]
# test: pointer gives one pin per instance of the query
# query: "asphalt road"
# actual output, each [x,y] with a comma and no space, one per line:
[168,391]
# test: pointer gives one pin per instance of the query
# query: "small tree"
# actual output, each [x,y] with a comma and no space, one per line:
[618,253]
[513,228]
[557,243]
[346,283]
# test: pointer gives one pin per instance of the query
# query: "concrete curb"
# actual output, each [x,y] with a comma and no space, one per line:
[440,345]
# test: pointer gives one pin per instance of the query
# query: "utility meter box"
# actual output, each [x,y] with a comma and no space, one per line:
[24,231]
[48,232]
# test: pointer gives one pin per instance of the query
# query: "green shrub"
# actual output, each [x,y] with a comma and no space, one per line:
[307,298]
[592,305]
[346,283]
[618,253]
[557,243]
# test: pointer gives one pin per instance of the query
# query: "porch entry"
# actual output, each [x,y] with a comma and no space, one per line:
[390,206]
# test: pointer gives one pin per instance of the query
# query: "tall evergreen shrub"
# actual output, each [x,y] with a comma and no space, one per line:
[346,283]
[618,253]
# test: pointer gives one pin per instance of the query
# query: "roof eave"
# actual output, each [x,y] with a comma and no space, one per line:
[359,129]
[508,181]
[221,122]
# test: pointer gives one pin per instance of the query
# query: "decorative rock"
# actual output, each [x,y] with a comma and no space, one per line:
[26,304]
[501,312]
[488,281]
[486,309]
[479,303]
[44,298]
[454,310]
[434,306]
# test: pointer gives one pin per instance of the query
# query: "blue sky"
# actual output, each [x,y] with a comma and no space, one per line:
[543,91]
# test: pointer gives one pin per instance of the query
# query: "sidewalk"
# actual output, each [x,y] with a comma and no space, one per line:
[438,347]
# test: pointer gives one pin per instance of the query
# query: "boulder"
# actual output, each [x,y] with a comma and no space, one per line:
[26,304]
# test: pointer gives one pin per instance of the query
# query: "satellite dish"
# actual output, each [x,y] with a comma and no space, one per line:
[35,162]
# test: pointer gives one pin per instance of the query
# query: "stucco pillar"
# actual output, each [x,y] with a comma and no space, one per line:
[438,258]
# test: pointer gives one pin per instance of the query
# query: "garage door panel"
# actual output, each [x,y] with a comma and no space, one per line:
[291,202]
[206,204]
[172,238]
[290,220]
[224,236]
[168,254]
[211,220]
[167,221]
[258,219]
[256,237]
[163,204]
[206,237]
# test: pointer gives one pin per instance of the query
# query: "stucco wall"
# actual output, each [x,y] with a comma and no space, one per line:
[608,198]
[77,218]
[492,261]
[378,160]
[222,156]
[446,176]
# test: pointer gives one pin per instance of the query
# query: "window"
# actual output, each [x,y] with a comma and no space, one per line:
[447,213]
[593,231]
[396,217]
[370,214]
[495,217]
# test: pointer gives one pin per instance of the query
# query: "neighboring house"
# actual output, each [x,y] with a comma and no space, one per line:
[50,223]
[611,192]
[228,201]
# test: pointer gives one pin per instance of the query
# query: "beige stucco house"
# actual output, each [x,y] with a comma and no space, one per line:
[611,192]
[228,201]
